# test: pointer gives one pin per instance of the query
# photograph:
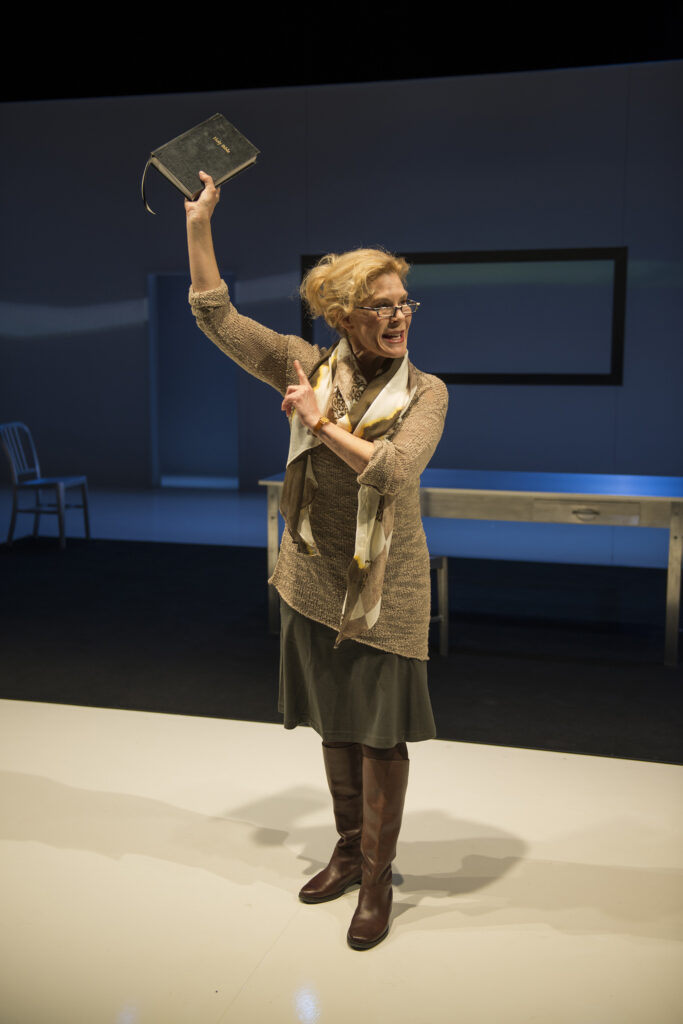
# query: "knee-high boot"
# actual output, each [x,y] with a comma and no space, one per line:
[343,767]
[384,789]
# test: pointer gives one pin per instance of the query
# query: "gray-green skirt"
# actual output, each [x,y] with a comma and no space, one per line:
[354,694]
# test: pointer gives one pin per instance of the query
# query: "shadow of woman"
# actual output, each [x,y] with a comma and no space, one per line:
[34,808]
[256,842]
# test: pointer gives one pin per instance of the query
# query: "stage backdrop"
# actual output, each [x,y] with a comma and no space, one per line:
[567,159]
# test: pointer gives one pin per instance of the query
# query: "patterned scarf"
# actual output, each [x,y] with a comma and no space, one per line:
[370,411]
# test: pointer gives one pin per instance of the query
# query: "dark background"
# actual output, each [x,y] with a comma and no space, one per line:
[241,48]
[539,135]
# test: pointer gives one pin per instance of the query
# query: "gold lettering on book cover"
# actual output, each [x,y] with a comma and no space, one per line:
[221,144]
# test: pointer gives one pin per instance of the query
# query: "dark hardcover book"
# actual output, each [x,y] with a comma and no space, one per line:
[214,146]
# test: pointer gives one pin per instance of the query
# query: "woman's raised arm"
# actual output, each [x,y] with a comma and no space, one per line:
[262,352]
[203,267]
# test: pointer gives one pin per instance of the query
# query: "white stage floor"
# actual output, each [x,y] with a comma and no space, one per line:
[150,866]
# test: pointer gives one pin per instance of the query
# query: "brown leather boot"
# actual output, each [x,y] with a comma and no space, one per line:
[343,767]
[384,791]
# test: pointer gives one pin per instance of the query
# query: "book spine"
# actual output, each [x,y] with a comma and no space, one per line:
[175,181]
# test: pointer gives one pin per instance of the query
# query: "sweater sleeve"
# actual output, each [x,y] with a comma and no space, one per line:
[401,459]
[263,353]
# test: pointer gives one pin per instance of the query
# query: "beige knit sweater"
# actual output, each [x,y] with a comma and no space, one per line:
[315,586]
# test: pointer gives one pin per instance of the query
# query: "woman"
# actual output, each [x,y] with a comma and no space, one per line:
[353,568]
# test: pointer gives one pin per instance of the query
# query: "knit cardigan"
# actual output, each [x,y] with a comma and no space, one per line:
[315,586]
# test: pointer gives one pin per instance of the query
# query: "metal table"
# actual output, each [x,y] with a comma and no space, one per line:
[602,499]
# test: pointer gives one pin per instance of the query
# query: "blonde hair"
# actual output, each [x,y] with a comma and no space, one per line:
[338,283]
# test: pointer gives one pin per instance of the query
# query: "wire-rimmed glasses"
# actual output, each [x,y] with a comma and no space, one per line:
[389,312]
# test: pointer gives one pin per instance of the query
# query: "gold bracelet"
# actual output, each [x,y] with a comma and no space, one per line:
[320,424]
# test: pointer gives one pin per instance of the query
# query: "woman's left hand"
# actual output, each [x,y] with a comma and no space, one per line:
[301,397]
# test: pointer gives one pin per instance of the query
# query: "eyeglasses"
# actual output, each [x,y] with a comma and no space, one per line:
[389,312]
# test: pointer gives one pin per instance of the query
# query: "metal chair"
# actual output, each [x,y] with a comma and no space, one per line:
[23,459]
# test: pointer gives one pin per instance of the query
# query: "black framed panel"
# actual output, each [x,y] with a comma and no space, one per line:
[520,316]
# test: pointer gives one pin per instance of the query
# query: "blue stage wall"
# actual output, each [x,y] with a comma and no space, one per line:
[548,159]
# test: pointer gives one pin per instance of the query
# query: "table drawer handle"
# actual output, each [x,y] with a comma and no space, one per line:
[586,514]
